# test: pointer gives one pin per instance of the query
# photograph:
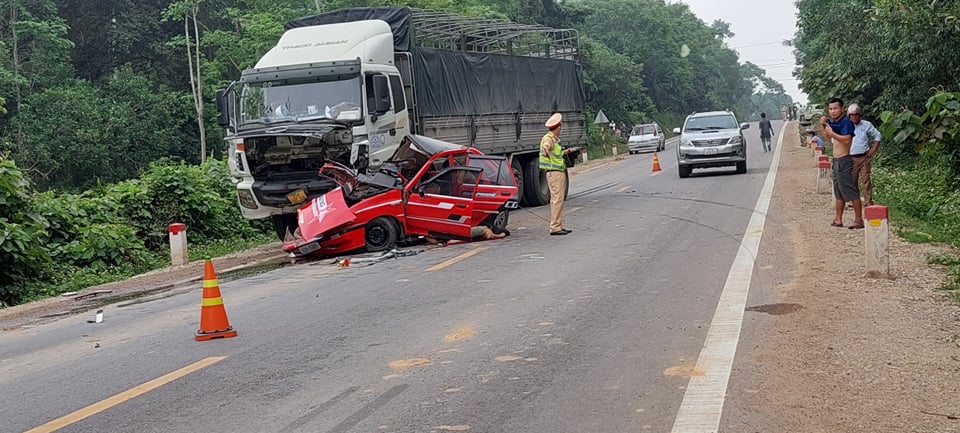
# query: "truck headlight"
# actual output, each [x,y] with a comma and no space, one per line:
[736,139]
[246,198]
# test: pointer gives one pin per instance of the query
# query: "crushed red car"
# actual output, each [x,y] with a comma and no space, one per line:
[428,187]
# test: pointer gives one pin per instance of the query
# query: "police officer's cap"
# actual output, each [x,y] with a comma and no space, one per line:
[554,121]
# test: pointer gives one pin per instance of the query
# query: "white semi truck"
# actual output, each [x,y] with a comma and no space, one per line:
[348,85]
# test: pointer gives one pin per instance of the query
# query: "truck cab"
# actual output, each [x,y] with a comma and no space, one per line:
[322,93]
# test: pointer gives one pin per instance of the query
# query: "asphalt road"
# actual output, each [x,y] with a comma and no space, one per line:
[597,331]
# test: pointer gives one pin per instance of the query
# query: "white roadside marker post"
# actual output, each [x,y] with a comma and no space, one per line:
[178,244]
[876,239]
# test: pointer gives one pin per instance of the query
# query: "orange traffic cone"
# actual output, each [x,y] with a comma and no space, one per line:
[656,162]
[213,317]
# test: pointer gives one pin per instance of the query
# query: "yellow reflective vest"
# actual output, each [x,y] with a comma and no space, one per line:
[554,160]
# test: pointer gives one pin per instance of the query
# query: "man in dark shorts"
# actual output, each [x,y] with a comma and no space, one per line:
[839,130]
[766,131]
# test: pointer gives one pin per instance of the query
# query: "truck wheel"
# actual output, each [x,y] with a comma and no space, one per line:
[685,171]
[517,169]
[284,224]
[741,167]
[380,235]
[536,189]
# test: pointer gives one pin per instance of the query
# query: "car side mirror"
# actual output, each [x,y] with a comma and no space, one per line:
[676,130]
[744,126]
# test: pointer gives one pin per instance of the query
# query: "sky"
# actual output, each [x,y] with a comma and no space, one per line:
[759,27]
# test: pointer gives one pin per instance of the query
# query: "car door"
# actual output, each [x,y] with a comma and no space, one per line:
[442,206]
[497,189]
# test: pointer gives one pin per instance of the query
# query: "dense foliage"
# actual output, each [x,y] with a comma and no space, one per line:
[894,58]
[47,238]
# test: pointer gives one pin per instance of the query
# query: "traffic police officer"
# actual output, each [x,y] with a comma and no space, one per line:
[551,161]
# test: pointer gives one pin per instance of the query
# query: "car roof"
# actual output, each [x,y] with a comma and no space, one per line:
[432,146]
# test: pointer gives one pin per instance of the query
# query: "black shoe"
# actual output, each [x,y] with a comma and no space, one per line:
[565,231]
[558,233]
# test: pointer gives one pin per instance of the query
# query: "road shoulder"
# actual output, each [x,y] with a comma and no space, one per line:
[831,351]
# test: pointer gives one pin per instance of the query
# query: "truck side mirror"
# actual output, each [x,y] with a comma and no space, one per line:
[381,94]
[676,130]
[420,190]
[223,111]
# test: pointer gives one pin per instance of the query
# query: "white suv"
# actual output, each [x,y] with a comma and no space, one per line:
[712,139]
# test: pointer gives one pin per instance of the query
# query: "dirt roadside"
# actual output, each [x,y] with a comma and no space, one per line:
[245,262]
[857,355]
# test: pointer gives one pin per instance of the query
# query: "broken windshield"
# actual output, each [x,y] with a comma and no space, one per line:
[272,102]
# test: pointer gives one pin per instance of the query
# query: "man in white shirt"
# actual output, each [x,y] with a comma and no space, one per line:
[866,139]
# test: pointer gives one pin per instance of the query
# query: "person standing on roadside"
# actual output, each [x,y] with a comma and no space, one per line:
[766,132]
[840,131]
[866,140]
[551,161]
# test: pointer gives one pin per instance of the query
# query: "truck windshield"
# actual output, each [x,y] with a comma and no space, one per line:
[272,102]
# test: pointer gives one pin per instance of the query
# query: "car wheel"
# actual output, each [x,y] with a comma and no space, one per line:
[684,171]
[498,221]
[741,167]
[380,235]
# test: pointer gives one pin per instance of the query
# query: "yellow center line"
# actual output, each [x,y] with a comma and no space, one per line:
[129,394]
[456,259]
[624,189]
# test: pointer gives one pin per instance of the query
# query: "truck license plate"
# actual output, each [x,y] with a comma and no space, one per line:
[308,248]
[297,197]
[710,151]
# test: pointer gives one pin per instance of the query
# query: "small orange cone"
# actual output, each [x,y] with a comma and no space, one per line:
[213,317]
[656,163]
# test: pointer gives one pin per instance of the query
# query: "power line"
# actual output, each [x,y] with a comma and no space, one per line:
[759,45]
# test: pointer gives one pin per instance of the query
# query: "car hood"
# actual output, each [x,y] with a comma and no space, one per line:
[323,214]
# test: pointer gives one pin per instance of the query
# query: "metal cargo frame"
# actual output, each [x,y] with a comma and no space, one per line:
[484,35]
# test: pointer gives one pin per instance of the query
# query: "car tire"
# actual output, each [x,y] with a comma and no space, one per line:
[498,221]
[684,171]
[741,167]
[380,235]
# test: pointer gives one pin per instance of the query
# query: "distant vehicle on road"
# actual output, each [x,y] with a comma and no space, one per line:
[428,187]
[811,113]
[645,136]
[712,139]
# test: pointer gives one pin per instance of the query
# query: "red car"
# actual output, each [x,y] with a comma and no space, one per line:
[427,188]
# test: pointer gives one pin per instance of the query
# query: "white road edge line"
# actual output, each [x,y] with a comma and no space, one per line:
[702,404]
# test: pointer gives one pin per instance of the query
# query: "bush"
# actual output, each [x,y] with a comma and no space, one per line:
[50,242]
